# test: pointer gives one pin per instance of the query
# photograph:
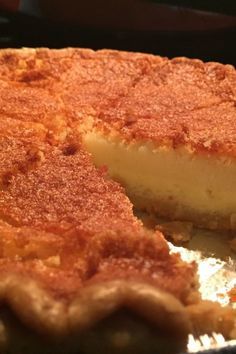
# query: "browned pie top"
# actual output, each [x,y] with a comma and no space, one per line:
[145,98]
[66,225]
[139,96]
[56,187]
[175,103]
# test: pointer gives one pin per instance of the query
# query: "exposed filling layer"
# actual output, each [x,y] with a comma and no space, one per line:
[175,183]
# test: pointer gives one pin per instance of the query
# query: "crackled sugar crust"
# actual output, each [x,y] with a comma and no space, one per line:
[71,250]
[63,213]
[137,99]
[144,97]
[67,231]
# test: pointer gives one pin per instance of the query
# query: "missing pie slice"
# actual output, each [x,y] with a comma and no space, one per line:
[78,271]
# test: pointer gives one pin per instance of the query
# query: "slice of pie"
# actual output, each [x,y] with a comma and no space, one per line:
[78,271]
[165,129]
[73,254]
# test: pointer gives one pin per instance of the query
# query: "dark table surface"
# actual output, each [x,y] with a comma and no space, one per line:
[18,30]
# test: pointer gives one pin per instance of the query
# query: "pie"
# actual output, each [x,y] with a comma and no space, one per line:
[171,136]
[78,271]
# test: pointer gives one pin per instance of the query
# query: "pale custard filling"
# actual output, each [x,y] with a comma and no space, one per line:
[204,184]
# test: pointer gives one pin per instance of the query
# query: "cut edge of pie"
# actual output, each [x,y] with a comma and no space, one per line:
[169,182]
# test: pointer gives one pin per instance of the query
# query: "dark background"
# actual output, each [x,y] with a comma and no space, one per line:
[172,31]
[219,6]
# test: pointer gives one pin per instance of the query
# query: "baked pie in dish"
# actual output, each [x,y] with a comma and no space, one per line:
[78,131]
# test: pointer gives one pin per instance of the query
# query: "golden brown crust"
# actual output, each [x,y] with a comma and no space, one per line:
[142,97]
[62,283]
[37,309]
[173,107]
[68,228]
[64,264]
[56,188]
[168,102]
